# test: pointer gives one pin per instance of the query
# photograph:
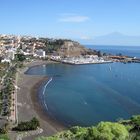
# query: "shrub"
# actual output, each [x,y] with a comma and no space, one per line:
[108,131]
[136,120]
[28,125]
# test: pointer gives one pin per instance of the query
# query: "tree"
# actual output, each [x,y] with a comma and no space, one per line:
[136,119]
[34,123]
[20,57]
[99,54]
[108,131]
[28,125]
[4,129]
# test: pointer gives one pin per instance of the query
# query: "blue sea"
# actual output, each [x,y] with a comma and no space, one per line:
[133,51]
[87,94]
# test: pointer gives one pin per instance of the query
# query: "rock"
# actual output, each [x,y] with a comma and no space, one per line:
[71,48]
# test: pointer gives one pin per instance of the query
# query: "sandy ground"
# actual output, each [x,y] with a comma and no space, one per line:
[29,105]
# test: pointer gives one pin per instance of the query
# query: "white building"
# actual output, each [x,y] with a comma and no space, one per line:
[40,53]
[10,54]
[55,57]
[5,60]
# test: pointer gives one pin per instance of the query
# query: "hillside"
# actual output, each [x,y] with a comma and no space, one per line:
[70,48]
[65,47]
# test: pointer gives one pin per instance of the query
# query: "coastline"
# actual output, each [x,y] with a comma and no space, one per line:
[39,108]
[29,104]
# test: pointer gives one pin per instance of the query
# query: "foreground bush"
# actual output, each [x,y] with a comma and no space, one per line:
[108,131]
[136,120]
[122,130]
[103,131]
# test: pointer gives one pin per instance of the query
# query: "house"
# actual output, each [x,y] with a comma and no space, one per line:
[40,53]
[5,60]
[10,54]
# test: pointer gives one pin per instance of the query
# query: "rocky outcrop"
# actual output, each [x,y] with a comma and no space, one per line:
[71,48]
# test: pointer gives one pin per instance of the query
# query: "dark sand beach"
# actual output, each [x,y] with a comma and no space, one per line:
[29,104]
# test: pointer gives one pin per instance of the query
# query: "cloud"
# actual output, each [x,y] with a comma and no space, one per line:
[73,18]
[85,38]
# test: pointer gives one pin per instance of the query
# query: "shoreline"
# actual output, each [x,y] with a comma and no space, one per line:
[30,105]
[39,107]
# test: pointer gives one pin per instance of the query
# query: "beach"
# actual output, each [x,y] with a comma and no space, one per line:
[28,102]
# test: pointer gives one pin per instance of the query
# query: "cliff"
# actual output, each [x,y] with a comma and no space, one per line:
[70,48]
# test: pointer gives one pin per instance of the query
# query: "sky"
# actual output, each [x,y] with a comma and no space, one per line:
[81,20]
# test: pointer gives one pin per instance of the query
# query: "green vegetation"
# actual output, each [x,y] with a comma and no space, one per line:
[7,85]
[122,130]
[20,57]
[4,129]
[103,131]
[4,137]
[136,120]
[53,46]
[3,67]
[108,131]
[7,91]
[28,125]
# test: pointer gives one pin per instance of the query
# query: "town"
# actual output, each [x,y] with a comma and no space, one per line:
[61,50]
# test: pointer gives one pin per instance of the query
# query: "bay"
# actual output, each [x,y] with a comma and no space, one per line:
[87,94]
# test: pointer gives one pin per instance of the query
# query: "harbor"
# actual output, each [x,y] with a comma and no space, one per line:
[92,59]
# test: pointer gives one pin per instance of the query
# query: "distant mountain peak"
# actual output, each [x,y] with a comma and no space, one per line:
[117,38]
[115,34]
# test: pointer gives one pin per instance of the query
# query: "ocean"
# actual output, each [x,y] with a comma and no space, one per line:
[87,94]
[133,51]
